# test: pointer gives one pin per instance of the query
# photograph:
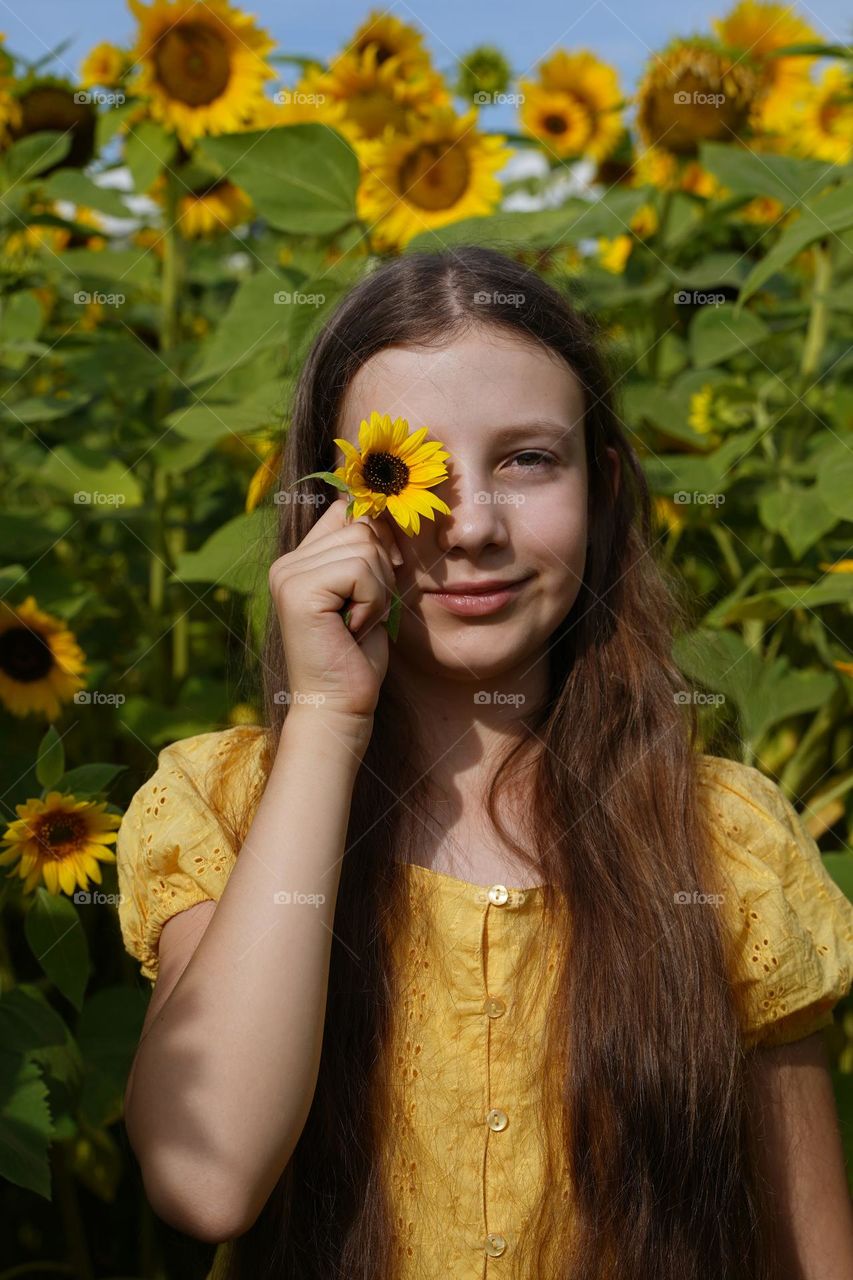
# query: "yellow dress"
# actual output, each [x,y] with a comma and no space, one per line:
[463,1145]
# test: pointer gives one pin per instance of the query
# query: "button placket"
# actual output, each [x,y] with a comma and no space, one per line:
[497,895]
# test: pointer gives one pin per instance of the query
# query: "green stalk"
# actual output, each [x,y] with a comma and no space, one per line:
[819,313]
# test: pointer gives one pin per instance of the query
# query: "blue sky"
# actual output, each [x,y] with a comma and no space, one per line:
[621,31]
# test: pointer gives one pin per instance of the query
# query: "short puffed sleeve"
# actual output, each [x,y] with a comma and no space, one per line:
[790,926]
[173,850]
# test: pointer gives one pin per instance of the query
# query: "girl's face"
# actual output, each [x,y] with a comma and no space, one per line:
[511,416]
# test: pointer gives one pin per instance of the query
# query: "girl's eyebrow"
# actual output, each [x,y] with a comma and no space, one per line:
[514,429]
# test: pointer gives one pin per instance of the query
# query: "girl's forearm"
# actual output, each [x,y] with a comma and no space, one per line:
[224,1078]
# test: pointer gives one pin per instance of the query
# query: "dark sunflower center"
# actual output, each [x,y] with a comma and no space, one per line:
[56,831]
[24,656]
[555,124]
[435,176]
[385,473]
[193,64]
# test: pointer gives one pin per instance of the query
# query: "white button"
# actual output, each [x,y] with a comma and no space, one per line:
[495,1245]
[497,1119]
[495,1007]
[498,894]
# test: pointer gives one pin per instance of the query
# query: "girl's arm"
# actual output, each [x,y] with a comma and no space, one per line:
[227,1064]
[805,1161]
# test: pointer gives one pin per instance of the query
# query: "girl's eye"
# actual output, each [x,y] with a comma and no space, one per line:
[545,459]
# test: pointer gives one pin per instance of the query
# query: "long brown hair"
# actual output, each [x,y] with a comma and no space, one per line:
[653,1125]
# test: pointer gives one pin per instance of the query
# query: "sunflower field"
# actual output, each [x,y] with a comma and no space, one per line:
[178,216]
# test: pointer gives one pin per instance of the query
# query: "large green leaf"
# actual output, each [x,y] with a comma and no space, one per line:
[147,150]
[31,155]
[256,317]
[71,184]
[719,332]
[56,938]
[302,177]
[787,178]
[99,482]
[122,266]
[832,212]
[232,556]
[108,1032]
[835,482]
[800,515]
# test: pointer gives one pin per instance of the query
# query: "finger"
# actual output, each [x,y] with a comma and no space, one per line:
[334,517]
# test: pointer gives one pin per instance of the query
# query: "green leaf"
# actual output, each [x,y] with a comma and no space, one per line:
[302,178]
[800,515]
[38,151]
[55,934]
[148,149]
[122,266]
[89,779]
[71,184]
[719,332]
[108,1032]
[25,1123]
[830,213]
[50,764]
[328,476]
[833,588]
[233,556]
[20,324]
[835,483]
[786,178]
[97,481]
[840,867]
[254,319]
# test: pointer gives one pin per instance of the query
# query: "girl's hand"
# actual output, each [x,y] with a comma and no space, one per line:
[331,668]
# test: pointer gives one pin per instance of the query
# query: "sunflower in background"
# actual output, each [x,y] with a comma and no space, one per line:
[574,106]
[389,37]
[440,171]
[60,841]
[202,67]
[756,31]
[816,120]
[104,65]
[40,660]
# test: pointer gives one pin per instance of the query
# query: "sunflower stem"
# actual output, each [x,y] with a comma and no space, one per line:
[819,313]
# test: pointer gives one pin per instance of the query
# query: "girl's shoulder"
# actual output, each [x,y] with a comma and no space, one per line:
[179,836]
[791,925]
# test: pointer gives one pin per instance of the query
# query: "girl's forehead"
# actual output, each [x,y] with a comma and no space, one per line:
[469,384]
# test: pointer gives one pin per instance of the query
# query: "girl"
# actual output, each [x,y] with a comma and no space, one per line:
[469,963]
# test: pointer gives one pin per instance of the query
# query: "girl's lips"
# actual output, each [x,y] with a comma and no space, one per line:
[471,605]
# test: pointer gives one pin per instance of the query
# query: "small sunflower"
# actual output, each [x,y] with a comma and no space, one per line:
[394,470]
[213,209]
[558,119]
[757,30]
[61,841]
[40,660]
[201,64]
[655,167]
[644,221]
[389,37]
[49,103]
[442,171]
[104,65]
[594,85]
[824,122]
[371,95]
[761,209]
[701,412]
[694,91]
[613,254]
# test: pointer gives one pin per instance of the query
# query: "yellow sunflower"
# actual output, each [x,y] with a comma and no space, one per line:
[266,476]
[104,65]
[655,167]
[558,119]
[757,30]
[644,221]
[295,106]
[60,840]
[613,254]
[761,209]
[694,92]
[390,38]
[218,207]
[441,171]
[40,660]
[394,470]
[824,118]
[594,85]
[701,413]
[372,94]
[201,64]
